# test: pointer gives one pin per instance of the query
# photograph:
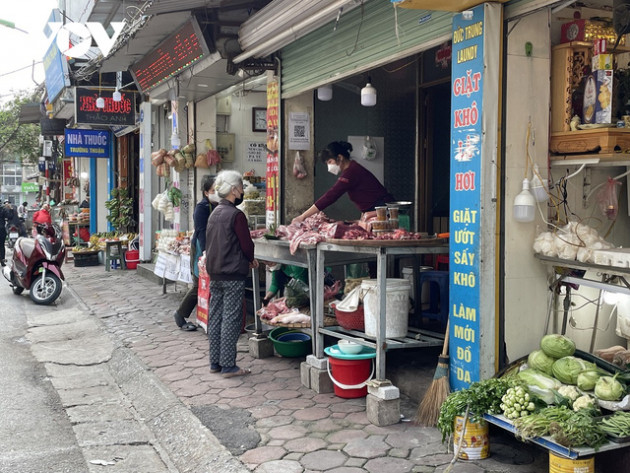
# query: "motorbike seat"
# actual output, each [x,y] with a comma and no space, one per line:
[27,245]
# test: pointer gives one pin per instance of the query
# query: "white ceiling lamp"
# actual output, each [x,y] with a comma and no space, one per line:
[368,94]
[325,93]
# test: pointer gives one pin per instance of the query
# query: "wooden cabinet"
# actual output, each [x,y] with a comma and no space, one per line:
[568,62]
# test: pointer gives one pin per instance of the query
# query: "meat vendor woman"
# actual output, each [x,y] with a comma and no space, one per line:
[363,188]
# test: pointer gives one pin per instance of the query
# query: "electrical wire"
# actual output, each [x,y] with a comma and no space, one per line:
[20,69]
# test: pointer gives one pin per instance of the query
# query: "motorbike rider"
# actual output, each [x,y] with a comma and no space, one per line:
[13,219]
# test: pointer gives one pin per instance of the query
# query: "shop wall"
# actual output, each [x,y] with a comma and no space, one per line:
[526,279]
[527,98]
[102,194]
[298,193]
[393,117]
[205,128]
[239,122]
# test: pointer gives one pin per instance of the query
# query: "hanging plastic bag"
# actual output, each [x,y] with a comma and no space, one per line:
[212,155]
[299,170]
[155,203]
[351,302]
[369,150]
[607,198]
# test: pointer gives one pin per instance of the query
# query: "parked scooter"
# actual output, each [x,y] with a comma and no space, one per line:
[13,233]
[36,265]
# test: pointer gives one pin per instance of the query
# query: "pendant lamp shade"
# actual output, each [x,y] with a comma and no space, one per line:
[116,96]
[325,93]
[368,94]
[100,102]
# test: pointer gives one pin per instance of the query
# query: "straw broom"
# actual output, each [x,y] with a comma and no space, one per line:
[429,408]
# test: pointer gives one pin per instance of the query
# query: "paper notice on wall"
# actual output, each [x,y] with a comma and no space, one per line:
[299,131]
[256,152]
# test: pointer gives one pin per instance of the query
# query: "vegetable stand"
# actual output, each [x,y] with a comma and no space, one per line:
[549,444]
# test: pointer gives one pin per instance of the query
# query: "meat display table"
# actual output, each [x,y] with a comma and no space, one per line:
[277,251]
[386,409]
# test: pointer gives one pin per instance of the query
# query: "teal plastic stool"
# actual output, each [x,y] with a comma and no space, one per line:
[114,256]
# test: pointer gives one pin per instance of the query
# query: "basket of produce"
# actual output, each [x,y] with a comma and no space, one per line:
[290,343]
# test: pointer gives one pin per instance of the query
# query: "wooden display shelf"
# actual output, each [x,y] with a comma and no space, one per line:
[596,140]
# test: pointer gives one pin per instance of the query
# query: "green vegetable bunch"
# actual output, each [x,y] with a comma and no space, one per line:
[515,403]
[617,425]
[567,427]
[483,397]
[175,196]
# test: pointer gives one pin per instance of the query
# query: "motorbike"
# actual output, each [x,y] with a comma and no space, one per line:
[13,233]
[36,265]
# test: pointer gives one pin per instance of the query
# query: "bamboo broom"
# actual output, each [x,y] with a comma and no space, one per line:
[429,408]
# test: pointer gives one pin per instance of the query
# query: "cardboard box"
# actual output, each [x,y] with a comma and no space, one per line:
[602,62]
[604,102]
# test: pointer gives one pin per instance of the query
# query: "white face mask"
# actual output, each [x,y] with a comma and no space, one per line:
[214,198]
[334,169]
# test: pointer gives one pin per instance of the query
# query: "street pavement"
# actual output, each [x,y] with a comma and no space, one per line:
[140,397]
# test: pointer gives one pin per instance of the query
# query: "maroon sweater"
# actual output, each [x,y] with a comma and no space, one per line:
[363,188]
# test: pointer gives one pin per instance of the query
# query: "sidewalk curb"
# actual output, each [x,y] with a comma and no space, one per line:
[189,445]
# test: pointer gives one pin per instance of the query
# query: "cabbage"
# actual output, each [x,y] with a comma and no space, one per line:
[586,380]
[539,384]
[557,346]
[568,368]
[608,388]
[539,361]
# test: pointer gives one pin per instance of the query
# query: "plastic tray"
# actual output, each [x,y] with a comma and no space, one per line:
[365,354]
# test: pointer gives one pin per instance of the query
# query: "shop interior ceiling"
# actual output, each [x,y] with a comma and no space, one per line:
[220,18]
[588,9]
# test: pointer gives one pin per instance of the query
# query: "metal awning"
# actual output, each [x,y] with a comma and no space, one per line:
[284,21]
[30,112]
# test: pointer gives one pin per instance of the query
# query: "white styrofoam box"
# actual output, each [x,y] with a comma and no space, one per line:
[617,257]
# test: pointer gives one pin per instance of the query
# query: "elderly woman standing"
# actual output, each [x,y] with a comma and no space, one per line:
[230,256]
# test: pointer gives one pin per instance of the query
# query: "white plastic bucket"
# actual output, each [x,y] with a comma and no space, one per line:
[407,273]
[396,307]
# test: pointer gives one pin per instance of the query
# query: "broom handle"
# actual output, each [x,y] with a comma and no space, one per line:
[445,346]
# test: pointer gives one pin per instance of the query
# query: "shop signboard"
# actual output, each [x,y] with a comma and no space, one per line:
[467,83]
[114,113]
[30,187]
[272,153]
[87,143]
[56,72]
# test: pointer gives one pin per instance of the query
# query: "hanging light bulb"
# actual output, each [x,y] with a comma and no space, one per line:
[325,93]
[368,94]
[100,101]
[539,188]
[524,204]
[117,96]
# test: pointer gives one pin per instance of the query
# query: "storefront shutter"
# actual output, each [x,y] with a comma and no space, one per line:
[326,56]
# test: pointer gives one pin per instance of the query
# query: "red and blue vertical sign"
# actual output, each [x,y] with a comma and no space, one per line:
[465,196]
